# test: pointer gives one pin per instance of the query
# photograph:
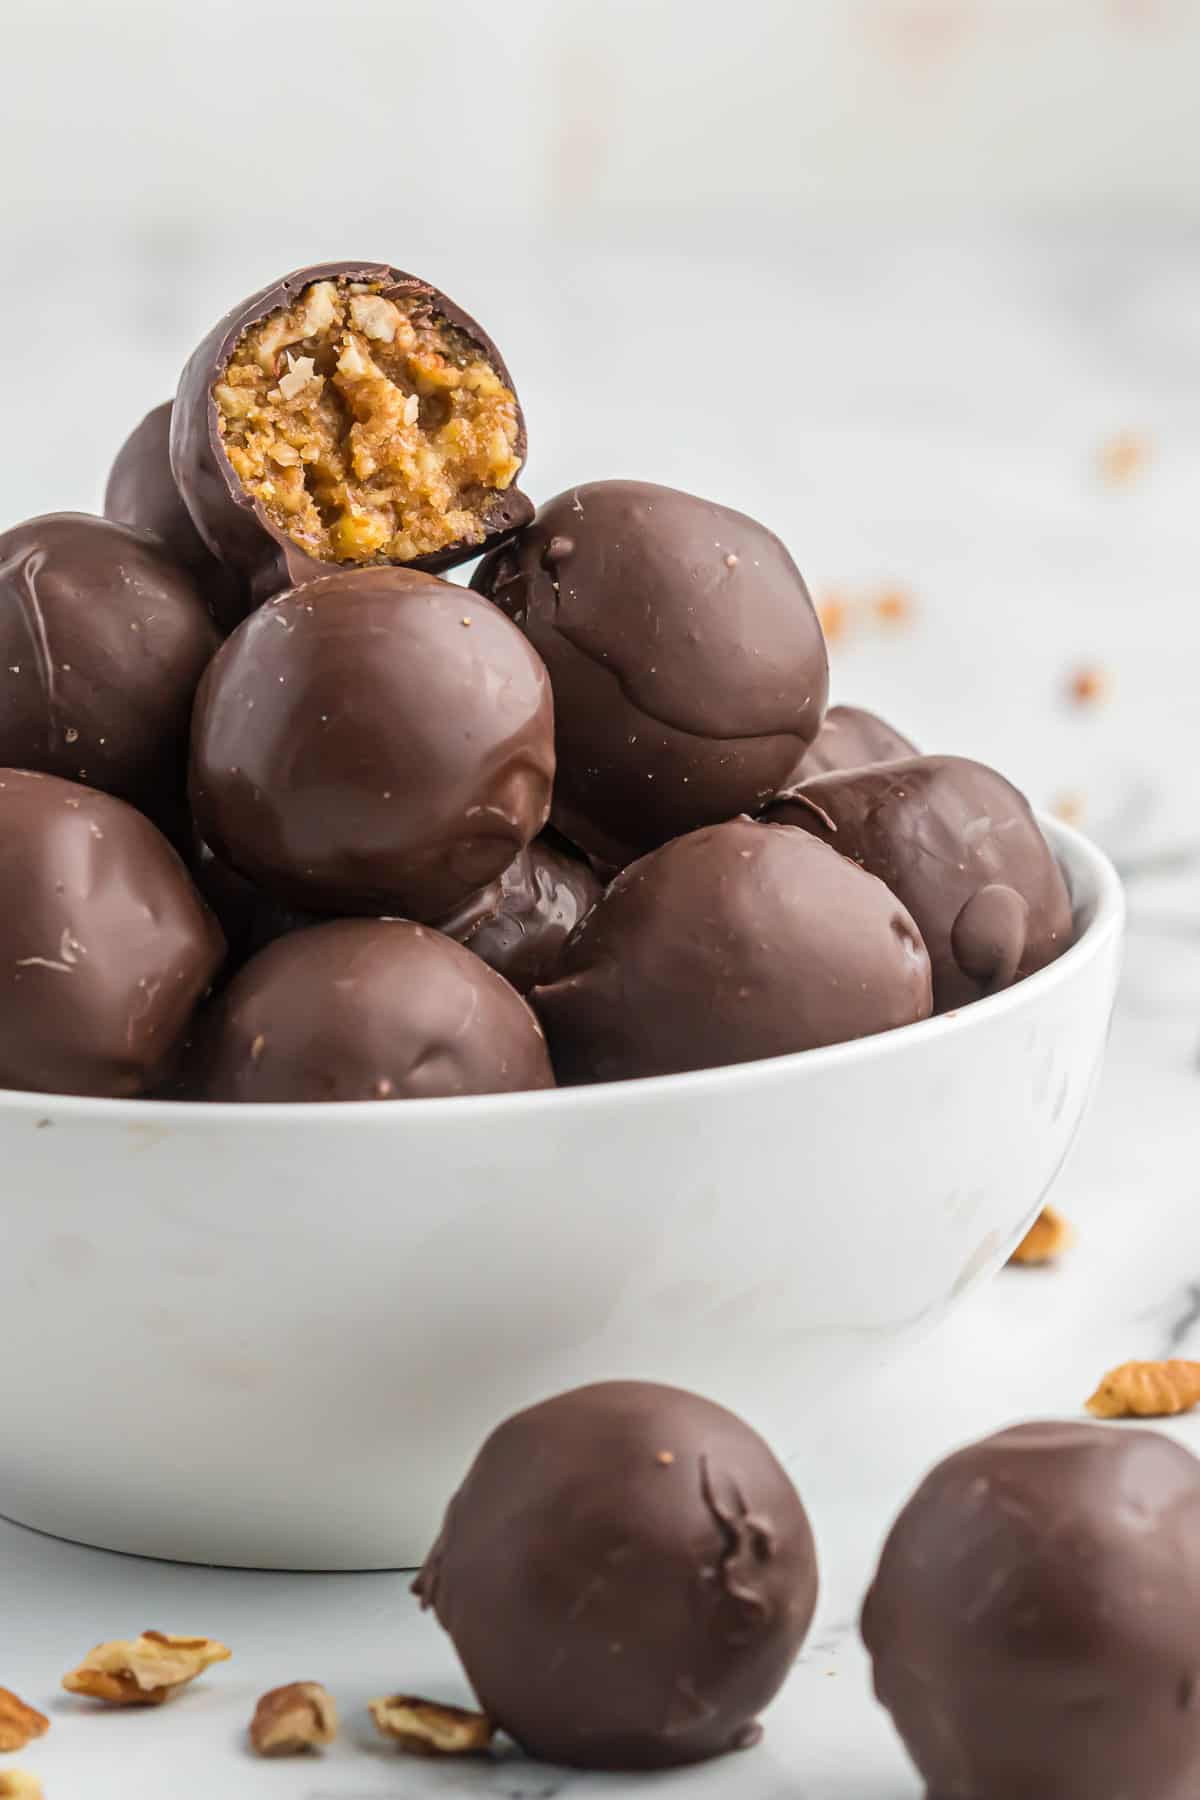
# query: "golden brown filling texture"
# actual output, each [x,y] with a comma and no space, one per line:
[369,430]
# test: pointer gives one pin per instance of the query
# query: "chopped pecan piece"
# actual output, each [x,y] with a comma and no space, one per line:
[143,1671]
[19,1724]
[20,1784]
[1047,1238]
[288,1720]
[425,1728]
[1147,1390]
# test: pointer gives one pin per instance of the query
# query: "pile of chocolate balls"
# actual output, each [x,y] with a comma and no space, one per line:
[285,816]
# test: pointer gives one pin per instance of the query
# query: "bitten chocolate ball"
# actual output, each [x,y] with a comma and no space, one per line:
[738,941]
[1035,1621]
[520,923]
[377,741]
[849,738]
[105,945]
[365,1009]
[687,661]
[959,845]
[141,492]
[103,640]
[627,1574]
[348,414]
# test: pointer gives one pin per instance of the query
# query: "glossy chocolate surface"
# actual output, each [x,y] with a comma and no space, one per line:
[249,918]
[959,845]
[520,924]
[688,665]
[365,1009]
[103,640]
[627,1574]
[105,945]
[849,737]
[738,941]
[1035,1620]
[234,526]
[141,492]
[377,741]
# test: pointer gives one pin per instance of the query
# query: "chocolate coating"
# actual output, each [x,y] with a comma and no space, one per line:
[377,741]
[1035,1621]
[141,492]
[103,640]
[365,1009]
[105,945]
[520,924]
[627,1574]
[849,737]
[688,665]
[233,525]
[959,845]
[249,918]
[738,941]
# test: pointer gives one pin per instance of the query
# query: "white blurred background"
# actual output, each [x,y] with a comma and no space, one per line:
[915,281]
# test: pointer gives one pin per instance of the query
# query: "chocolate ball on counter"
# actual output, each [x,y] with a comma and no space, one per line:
[105,945]
[365,1009]
[347,414]
[376,741]
[849,737]
[688,664]
[627,1574]
[959,845]
[520,923]
[141,492]
[738,941]
[1035,1621]
[103,640]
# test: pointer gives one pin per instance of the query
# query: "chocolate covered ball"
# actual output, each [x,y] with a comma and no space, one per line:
[348,414]
[103,640]
[365,1009]
[1035,1621]
[849,737]
[520,923]
[738,941]
[105,945]
[249,918]
[627,1574]
[688,665]
[376,741]
[959,845]
[141,492]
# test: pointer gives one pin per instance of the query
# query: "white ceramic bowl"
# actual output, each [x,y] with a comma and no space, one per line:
[275,1336]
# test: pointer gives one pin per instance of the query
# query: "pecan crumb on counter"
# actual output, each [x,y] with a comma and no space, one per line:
[1069,806]
[143,1671]
[20,1784]
[1147,1390]
[1044,1242]
[1089,685]
[894,606]
[1123,459]
[289,1720]
[19,1724]
[426,1728]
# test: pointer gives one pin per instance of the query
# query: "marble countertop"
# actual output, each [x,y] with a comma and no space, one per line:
[937,427]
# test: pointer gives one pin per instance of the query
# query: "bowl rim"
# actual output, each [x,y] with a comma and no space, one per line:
[1083,862]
